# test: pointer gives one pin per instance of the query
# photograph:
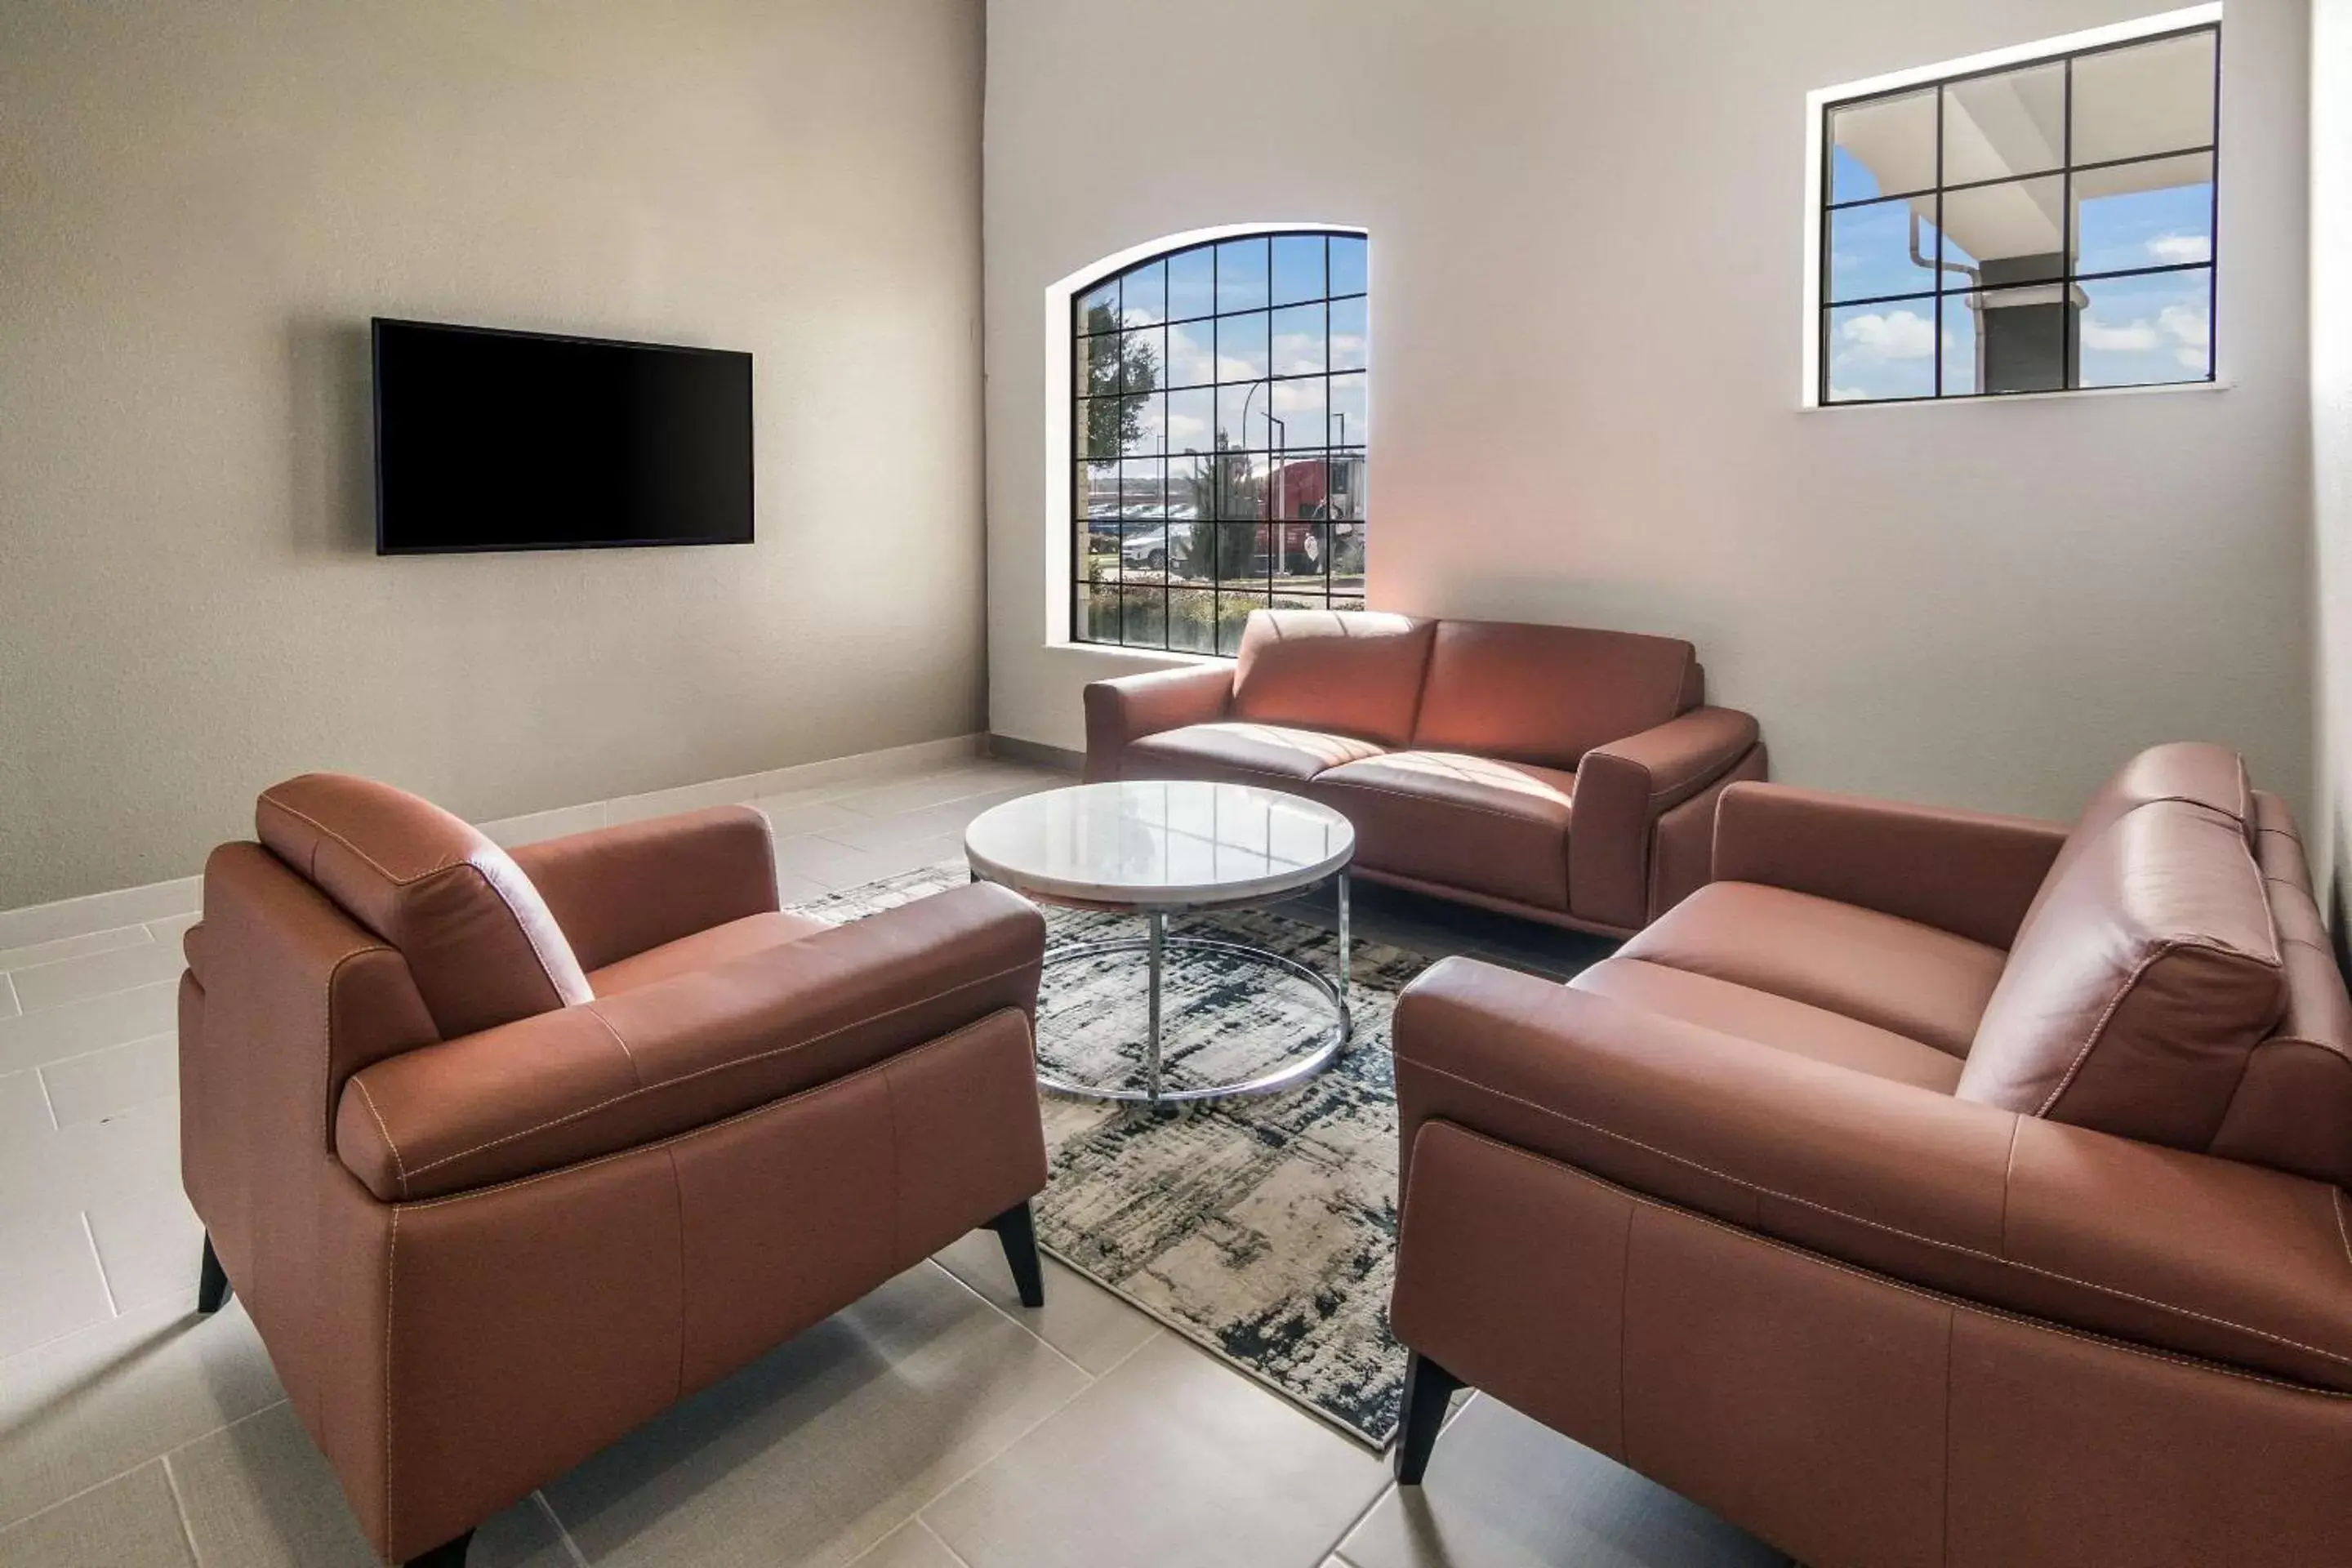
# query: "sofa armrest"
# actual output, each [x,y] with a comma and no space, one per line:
[1624,788]
[1122,712]
[2185,1252]
[1972,873]
[617,891]
[681,1053]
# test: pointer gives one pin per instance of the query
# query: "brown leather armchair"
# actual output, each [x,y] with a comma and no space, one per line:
[506,1154]
[1930,1187]
[1558,773]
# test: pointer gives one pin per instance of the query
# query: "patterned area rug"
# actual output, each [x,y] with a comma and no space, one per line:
[1263,1228]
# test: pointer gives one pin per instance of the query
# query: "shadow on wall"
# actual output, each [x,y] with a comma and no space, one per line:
[1628,604]
[330,470]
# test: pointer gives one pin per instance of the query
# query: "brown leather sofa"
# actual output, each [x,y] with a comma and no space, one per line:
[1553,772]
[506,1154]
[1928,1188]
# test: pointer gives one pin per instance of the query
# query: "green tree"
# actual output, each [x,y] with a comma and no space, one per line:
[1113,422]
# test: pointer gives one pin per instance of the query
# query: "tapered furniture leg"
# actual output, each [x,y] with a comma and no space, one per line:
[1015,1228]
[212,1282]
[1427,1388]
[449,1554]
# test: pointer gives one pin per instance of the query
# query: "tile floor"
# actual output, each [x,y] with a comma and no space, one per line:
[935,1423]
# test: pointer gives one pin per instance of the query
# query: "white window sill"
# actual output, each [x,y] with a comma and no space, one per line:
[1141,655]
[1981,399]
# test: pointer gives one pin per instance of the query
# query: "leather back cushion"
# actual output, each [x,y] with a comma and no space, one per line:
[2139,989]
[1547,695]
[2208,776]
[478,938]
[1357,672]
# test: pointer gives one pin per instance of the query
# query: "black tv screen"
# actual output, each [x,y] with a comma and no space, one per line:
[498,440]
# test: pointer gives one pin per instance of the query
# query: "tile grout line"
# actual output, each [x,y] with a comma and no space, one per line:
[919,1522]
[96,1257]
[180,1508]
[1059,1353]
[46,1103]
[79,1494]
[562,1533]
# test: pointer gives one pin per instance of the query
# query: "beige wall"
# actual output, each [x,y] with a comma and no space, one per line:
[1587,237]
[2331,367]
[202,201]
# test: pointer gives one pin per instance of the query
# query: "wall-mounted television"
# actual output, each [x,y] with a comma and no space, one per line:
[488,439]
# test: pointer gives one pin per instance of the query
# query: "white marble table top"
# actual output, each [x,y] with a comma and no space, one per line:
[1159,844]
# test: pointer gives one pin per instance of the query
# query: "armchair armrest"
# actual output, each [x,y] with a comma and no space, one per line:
[617,891]
[681,1053]
[2185,1252]
[1122,712]
[1624,788]
[1972,873]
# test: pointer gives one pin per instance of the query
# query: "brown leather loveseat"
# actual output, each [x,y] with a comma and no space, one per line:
[1554,772]
[1928,1188]
[506,1154]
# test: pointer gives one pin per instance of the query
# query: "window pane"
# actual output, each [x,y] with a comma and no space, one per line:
[1192,552]
[1144,552]
[1143,489]
[1095,429]
[1098,306]
[1294,488]
[1870,250]
[1297,267]
[1098,489]
[1142,425]
[1960,375]
[1191,488]
[1351,416]
[1242,346]
[1350,334]
[1140,354]
[1878,352]
[1299,344]
[1233,619]
[2013,340]
[2145,330]
[1348,264]
[1882,146]
[2156,214]
[1241,275]
[1191,420]
[1345,485]
[1143,295]
[1302,550]
[1299,415]
[1191,358]
[1192,620]
[2011,233]
[1192,282]
[2011,123]
[1098,612]
[1347,603]
[1094,368]
[1146,621]
[1241,485]
[1243,413]
[2148,98]
[1348,558]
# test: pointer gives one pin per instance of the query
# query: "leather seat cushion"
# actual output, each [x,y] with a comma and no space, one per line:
[1899,975]
[1489,826]
[703,949]
[1243,753]
[1796,1027]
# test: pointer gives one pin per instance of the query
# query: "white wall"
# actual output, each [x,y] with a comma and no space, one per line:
[202,201]
[1587,243]
[2331,380]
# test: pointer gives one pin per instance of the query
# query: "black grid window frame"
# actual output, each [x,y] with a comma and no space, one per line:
[1280,506]
[1826,305]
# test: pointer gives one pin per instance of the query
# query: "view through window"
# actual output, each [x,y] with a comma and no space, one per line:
[2040,227]
[1219,425]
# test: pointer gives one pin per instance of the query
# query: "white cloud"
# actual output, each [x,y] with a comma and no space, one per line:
[1873,338]
[2186,326]
[2137,338]
[2178,249]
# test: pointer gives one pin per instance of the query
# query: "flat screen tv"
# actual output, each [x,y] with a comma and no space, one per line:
[497,440]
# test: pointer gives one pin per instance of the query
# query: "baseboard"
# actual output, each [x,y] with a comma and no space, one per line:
[31,923]
[1019,751]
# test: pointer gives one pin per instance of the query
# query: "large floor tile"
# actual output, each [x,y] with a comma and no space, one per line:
[134,1150]
[67,980]
[93,1405]
[91,1088]
[98,911]
[959,784]
[1503,1491]
[818,1451]
[50,1282]
[884,835]
[130,1522]
[1079,1319]
[24,1109]
[787,821]
[80,946]
[9,1007]
[1170,1461]
[817,859]
[259,1494]
[76,1028]
[912,1546]
[150,1244]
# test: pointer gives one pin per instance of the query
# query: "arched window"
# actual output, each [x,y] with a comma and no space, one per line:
[1219,422]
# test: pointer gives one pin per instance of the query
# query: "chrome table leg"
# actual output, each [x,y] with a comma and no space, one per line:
[1344,1020]
[1152,1057]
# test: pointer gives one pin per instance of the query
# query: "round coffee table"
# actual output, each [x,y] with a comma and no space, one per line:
[1158,849]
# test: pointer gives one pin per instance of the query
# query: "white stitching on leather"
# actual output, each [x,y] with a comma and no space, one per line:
[2341,1234]
[326,832]
[715,1066]
[793,1099]
[2131,983]
[1980,1309]
[589,1008]
[361,1084]
[326,1036]
[1879,1225]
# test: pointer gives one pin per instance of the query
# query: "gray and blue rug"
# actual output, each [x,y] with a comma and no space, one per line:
[1263,1228]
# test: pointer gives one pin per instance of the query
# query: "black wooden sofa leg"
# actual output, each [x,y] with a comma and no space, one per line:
[1427,1388]
[449,1554]
[1019,1235]
[212,1281]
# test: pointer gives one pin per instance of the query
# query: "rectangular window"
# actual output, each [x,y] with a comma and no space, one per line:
[1219,428]
[2045,224]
